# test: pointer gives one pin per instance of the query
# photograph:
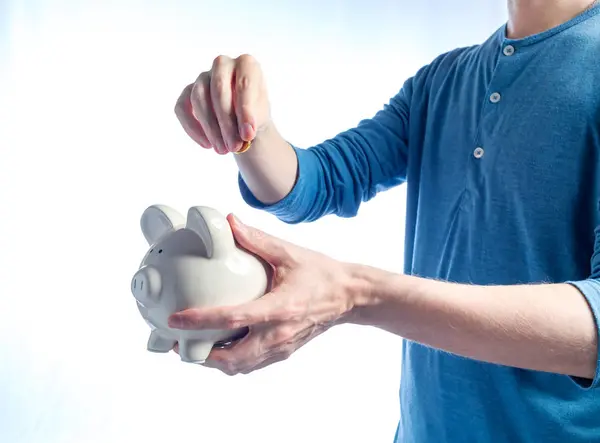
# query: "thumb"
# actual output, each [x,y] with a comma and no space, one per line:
[272,249]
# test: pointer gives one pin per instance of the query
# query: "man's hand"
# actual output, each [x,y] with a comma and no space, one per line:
[310,293]
[543,327]
[225,106]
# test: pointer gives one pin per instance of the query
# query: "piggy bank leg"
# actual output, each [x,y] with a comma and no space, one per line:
[194,351]
[157,343]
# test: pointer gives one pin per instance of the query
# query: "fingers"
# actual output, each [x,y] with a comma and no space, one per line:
[272,249]
[220,358]
[203,111]
[183,111]
[248,87]
[221,89]
[258,350]
[262,347]
[220,109]
[230,361]
[268,308]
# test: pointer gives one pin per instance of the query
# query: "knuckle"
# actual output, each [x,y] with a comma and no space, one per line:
[234,322]
[230,369]
[179,107]
[219,61]
[204,77]
[243,82]
[198,93]
[257,235]
[246,59]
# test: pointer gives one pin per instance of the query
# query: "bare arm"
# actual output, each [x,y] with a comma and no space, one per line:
[269,168]
[546,327]
[543,327]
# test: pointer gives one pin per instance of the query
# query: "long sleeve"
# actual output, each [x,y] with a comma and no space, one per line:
[336,176]
[590,288]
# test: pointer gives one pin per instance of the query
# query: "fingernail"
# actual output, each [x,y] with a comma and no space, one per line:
[247,132]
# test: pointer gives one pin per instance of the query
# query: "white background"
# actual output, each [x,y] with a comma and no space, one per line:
[88,139]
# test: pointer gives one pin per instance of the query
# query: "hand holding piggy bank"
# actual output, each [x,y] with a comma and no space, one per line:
[192,263]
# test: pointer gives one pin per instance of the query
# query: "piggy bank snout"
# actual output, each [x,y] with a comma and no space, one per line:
[146,285]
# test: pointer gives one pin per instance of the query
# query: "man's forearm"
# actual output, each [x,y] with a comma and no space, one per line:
[269,168]
[546,327]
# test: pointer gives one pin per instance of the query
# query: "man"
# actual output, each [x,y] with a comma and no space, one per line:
[499,144]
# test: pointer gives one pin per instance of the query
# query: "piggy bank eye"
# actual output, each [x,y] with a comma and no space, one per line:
[160,251]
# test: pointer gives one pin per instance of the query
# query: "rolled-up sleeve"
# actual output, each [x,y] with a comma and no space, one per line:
[336,176]
[590,288]
[297,206]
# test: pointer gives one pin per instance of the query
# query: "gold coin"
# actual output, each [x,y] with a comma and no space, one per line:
[245,147]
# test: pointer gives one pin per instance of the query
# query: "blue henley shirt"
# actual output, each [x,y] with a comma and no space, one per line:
[499,146]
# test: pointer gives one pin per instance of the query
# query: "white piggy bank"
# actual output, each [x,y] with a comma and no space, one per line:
[192,263]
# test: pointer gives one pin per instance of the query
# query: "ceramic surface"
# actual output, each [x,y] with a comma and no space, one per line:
[192,262]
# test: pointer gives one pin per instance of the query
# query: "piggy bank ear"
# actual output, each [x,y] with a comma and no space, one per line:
[159,220]
[213,228]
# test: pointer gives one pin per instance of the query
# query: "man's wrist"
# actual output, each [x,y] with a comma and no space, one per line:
[371,290]
[265,137]
[269,168]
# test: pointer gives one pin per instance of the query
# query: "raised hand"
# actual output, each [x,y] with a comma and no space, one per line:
[226,106]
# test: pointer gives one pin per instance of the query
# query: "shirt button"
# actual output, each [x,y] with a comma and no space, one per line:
[478,152]
[509,50]
[495,97]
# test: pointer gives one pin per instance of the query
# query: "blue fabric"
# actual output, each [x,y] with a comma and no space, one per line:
[526,211]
